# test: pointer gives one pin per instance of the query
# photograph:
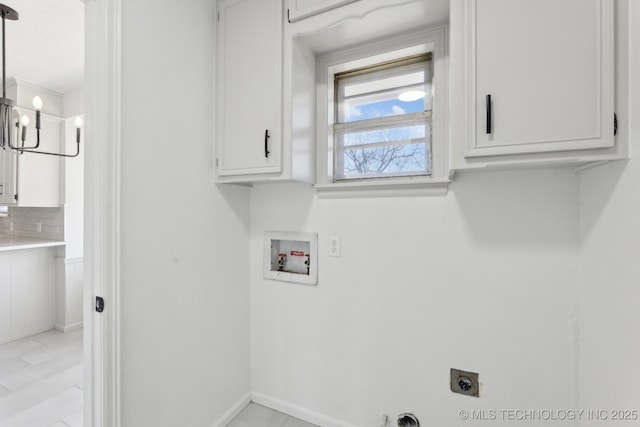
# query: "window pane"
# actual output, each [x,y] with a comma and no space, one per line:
[382,104]
[399,150]
[408,159]
[382,121]
[381,84]
[384,135]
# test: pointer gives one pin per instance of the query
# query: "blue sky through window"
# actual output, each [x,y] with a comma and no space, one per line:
[392,107]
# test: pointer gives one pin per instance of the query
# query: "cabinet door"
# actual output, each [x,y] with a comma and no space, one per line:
[32,292]
[7,177]
[5,297]
[40,176]
[249,89]
[548,67]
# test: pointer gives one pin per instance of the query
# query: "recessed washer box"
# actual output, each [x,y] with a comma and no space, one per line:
[291,257]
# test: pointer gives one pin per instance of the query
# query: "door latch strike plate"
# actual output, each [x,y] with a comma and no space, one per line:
[99,304]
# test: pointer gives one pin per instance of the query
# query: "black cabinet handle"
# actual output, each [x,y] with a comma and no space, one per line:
[266,143]
[488,114]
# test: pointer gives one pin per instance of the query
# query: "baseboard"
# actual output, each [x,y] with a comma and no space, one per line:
[296,411]
[233,412]
[68,328]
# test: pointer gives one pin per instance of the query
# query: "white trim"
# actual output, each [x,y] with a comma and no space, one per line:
[333,16]
[62,281]
[233,412]
[430,40]
[68,261]
[392,187]
[68,328]
[298,412]
[296,13]
[102,207]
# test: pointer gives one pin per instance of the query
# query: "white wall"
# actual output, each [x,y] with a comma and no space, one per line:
[483,279]
[185,284]
[610,292]
[74,103]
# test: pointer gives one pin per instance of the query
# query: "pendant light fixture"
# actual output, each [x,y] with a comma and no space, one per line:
[13,129]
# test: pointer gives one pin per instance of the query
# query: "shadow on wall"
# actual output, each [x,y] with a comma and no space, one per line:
[519,208]
[237,199]
[600,185]
[289,206]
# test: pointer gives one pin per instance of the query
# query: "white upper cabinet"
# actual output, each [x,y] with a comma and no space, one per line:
[7,178]
[534,82]
[39,176]
[249,88]
[28,179]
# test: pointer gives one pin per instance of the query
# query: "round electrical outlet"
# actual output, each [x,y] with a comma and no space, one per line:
[408,420]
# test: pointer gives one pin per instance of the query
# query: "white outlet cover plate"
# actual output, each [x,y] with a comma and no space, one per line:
[334,246]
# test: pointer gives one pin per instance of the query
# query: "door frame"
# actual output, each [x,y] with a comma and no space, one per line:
[102,212]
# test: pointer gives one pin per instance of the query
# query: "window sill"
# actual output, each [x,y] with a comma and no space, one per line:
[407,187]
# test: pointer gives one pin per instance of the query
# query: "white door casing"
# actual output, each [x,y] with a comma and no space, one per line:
[102,207]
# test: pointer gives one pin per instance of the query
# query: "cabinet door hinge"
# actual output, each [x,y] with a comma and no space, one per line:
[99,304]
[288,16]
[16,197]
[615,124]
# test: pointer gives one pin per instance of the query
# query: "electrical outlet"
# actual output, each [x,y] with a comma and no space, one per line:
[10,225]
[334,246]
[464,382]
[39,227]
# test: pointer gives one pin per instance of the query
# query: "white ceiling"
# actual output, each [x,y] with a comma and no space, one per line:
[45,46]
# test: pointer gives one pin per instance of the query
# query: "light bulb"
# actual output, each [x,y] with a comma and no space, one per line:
[24,120]
[37,103]
[411,95]
[78,122]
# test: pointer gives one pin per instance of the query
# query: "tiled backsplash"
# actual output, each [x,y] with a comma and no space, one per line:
[25,223]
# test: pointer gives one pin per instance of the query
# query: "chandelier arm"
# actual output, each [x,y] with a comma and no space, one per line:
[11,146]
[31,150]
[4,62]
[2,129]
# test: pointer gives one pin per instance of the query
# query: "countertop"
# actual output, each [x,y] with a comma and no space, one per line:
[11,243]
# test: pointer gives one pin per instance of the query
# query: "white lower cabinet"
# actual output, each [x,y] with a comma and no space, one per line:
[5,297]
[26,293]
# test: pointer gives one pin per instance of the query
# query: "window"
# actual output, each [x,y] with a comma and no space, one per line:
[382,125]
[382,115]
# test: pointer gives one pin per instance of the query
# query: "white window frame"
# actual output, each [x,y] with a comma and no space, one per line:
[362,56]
[413,63]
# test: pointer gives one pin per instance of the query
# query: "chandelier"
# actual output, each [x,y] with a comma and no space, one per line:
[13,128]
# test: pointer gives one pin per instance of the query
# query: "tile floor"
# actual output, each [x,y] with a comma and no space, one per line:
[256,415]
[41,386]
[41,381]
